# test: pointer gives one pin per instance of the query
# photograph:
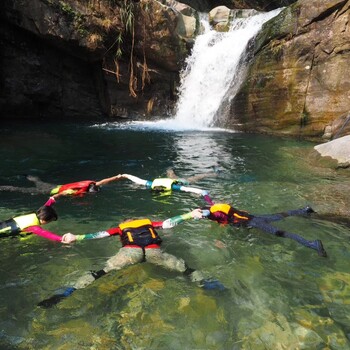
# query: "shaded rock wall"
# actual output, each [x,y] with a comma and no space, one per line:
[60,58]
[38,80]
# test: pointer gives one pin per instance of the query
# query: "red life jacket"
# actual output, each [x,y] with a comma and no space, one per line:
[79,187]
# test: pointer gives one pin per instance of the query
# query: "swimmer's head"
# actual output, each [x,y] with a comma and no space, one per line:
[46,214]
[93,188]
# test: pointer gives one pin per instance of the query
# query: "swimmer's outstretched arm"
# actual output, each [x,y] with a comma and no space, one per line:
[199,191]
[70,237]
[171,222]
[39,231]
[189,189]
[109,179]
[136,180]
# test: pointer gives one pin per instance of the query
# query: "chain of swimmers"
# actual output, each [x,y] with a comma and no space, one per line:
[139,237]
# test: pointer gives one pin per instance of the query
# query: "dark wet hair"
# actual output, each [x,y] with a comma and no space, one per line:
[46,213]
[93,188]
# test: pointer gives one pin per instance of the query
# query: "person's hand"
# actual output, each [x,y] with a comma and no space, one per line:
[197,213]
[68,238]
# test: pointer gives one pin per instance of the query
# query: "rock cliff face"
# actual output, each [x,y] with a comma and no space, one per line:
[298,82]
[84,59]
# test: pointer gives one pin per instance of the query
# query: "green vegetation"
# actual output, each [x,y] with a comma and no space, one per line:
[76,19]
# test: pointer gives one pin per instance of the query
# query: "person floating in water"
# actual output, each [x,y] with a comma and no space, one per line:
[226,214]
[31,223]
[171,183]
[81,187]
[140,243]
[73,189]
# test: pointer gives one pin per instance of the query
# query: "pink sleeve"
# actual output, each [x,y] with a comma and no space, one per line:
[50,202]
[37,230]
[208,199]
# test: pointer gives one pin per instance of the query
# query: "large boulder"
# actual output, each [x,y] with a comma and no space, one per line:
[299,79]
[165,32]
[221,17]
[338,149]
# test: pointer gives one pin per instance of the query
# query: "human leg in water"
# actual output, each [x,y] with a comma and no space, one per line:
[171,174]
[40,187]
[258,222]
[30,190]
[279,216]
[171,262]
[124,257]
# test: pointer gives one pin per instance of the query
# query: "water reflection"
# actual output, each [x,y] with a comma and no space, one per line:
[280,294]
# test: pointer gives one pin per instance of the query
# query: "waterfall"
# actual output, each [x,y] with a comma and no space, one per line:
[212,69]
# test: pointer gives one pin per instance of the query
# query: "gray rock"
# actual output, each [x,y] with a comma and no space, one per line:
[338,149]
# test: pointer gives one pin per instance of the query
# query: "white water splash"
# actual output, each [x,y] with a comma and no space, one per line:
[210,69]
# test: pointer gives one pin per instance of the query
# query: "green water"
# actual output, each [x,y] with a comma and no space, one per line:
[280,295]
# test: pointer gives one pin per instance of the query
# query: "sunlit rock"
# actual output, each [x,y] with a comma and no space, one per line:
[338,149]
[279,95]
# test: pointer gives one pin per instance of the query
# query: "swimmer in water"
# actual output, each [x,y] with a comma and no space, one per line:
[140,243]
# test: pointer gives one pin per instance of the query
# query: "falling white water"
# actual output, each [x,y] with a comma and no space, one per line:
[210,69]
[213,70]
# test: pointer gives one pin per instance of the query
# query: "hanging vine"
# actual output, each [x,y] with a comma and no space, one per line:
[125,36]
[127,18]
[145,73]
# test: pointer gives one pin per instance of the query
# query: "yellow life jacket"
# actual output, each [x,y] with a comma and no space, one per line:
[17,224]
[225,208]
[138,232]
[24,221]
[162,184]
